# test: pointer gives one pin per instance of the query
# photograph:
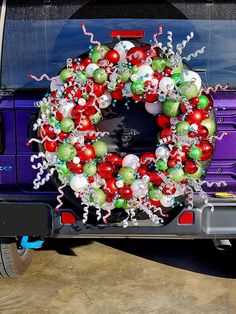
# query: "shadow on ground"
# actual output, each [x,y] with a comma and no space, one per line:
[199,256]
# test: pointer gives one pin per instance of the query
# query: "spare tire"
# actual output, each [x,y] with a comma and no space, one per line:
[134,132]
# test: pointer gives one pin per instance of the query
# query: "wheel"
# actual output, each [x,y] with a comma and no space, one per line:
[13,261]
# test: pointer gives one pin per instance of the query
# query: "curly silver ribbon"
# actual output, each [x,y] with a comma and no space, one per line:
[60,196]
[182,45]
[216,88]
[194,54]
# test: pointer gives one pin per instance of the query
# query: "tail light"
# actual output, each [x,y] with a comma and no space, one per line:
[186,218]
[67,218]
[127,33]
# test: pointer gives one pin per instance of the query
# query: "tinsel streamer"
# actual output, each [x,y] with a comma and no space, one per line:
[197,186]
[40,155]
[43,76]
[125,221]
[194,54]
[91,35]
[60,196]
[41,181]
[98,213]
[218,138]
[85,214]
[182,45]
[160,29]
[210,184]
[132,216]
[46,138]
[108,208]
[39,164]
[158,209]
[189,191]
[216,88]
[169,44]
[37,124]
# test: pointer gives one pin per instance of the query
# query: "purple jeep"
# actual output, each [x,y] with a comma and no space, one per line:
[37,37]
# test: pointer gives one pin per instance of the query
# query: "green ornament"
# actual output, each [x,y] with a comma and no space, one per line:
[120,203]
[161,164]
[100,148]
[127,174]
[90,168]
[158,64]
[177,70]
[195,152]
[44,108]
[197,175]
[98,53]
[155,194]
[171,107]
[97,196]
[182,127]
[203,102]
[81,76]
[65,74]
[210,125]
[100,75]
[176,78]
[188,90]
[125,75]
[137,87]
[67,125]
[62,168]
[95,118]
[85,96]
[150,185]
[134,68]
[66,152]
[176,174]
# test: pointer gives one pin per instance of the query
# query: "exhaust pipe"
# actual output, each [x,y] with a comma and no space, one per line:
[222,245]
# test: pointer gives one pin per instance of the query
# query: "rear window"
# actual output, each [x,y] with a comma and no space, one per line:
[39,37]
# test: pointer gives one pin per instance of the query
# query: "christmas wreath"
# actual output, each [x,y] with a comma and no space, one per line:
[153,76]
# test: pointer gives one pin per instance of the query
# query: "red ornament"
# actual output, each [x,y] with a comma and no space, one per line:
[62,136]
[86,152]
[91,179]
[114,159]
[205,114]
[168,71]
[185,148]
[59,116]
[169,190]
[76,112]
[203,131]
[47,130]
[175,154]
[151,97]
[77,94]
[136,56]
[87,61]
[110,186]
[207,149]
[163,121]
[147,159]
[183,108]
[155,178]
[167,133]
[154,203]
[99,89]
[112,56]
[84,125]
[194,117]
[190,167]
[126,192]
[75,168]
[192,134]
[117,95]
[50,146]
[172,163]
[105,170]
[77,146]
[142,171]
[195,100]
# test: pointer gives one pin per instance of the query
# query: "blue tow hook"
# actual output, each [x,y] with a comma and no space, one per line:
[30,245]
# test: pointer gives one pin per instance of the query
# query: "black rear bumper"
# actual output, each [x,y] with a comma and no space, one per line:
[39,220]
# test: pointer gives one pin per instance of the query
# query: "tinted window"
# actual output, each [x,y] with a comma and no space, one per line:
[39,38]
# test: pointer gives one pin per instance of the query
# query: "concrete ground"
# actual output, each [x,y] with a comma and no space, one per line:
[124,276]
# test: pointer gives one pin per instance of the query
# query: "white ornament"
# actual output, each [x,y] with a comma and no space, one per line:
[146,178]
[162,152]
[154,82]
[131,161]
[139,188]
[76,160]
[122,47]
[65,109]
[153,107]
[51,157]
[145,72]
[104,101]
[166,84]
[134,77]
[82,102]
[167,200]
[78,182]
[191,76]
[91,67]
[56,83]
[119,184]
[194,127]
